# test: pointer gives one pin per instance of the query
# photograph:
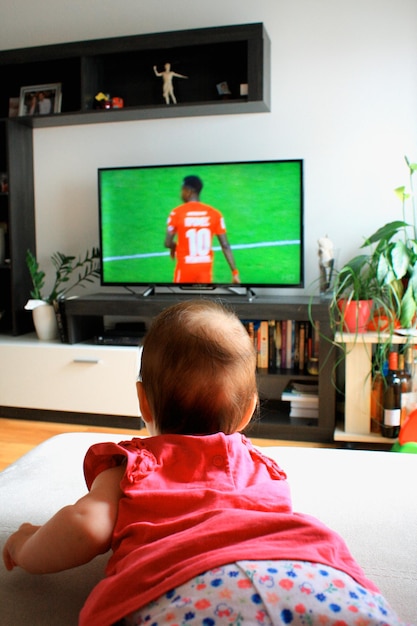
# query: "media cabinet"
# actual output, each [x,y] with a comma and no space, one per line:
[83,382]
[87,317]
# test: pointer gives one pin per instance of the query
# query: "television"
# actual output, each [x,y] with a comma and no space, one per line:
[258,213]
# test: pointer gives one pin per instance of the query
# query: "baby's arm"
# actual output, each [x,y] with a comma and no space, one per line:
[72,537]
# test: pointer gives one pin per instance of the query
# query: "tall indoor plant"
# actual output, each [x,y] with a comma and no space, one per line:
[70,272]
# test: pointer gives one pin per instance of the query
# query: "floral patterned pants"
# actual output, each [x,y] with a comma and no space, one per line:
[268,593]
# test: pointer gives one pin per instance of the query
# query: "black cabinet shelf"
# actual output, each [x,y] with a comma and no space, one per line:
[123,67]
[17,214]
[85,319]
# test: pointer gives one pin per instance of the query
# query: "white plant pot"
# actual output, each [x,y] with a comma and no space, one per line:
[44,320]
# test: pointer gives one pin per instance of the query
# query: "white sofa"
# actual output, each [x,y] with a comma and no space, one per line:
[370,498]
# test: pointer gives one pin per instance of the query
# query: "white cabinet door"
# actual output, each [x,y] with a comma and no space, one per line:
[80,378]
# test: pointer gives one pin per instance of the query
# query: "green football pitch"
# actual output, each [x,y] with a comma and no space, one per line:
[260,203]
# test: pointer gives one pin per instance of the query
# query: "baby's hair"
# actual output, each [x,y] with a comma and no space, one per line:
[198,369]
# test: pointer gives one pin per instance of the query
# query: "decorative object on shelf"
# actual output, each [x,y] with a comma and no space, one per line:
[326,263]
[167,82]
[117,102]
[223,89]
[44,319]
[40,99]
[102,101]
[65,266]
[105,101]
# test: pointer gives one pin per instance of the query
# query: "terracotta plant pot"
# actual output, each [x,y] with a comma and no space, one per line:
[355,315]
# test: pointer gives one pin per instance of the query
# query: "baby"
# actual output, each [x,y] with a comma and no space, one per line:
[199,522]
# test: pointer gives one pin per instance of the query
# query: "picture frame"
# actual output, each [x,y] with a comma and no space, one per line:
[40,99]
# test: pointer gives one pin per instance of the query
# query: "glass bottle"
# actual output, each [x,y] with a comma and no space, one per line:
[414,374]
[377,393]
[406,385]
[390,426]
[409,361]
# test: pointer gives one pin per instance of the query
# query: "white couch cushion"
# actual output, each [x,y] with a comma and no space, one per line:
[368,497]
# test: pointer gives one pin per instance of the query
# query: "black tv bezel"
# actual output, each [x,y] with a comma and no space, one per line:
[204,287]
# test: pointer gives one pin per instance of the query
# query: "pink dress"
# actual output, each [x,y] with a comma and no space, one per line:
[194,503]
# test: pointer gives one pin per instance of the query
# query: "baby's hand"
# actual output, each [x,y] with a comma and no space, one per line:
[15,543]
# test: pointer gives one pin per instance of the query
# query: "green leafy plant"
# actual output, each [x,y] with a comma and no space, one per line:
[387,274]
[70,272]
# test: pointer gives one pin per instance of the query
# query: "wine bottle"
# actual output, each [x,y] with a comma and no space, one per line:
[390,426]
[377,402]
[406,383]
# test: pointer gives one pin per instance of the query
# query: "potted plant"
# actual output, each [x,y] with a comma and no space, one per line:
[70,272]
[386,275]
[357,295]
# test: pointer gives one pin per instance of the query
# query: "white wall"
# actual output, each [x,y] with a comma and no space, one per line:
[344,98]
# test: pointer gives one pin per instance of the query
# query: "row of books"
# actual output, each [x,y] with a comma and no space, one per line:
[284,344]
[303,397]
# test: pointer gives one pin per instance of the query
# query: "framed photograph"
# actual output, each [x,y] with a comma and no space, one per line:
[40,99]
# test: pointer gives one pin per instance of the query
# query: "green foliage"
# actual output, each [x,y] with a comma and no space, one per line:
[387,274]
[70,272]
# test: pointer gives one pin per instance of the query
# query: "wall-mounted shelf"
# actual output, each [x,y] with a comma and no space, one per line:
[123,67]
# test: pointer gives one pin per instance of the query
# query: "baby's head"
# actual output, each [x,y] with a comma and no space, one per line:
[198,370]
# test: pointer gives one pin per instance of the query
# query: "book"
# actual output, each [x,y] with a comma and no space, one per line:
[301,346]
[304,412]
[278,344]
[306,403]
[301,393]
[263,344]
[284,344]
[272,357]
[290,344]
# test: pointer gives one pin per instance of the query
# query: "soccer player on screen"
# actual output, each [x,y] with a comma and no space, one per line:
[189,236]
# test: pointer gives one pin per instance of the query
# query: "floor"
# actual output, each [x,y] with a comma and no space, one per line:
[19,436]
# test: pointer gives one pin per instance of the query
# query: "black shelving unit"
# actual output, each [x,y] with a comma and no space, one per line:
[85,320]
[17,216]
[123,67]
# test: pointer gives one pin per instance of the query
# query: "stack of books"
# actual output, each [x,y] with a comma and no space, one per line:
[283,344]
[303,397]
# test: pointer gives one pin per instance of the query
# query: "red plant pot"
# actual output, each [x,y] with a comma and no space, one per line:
[355,315]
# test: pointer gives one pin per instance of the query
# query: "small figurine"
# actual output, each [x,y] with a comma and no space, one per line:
[167,84]
[326,262]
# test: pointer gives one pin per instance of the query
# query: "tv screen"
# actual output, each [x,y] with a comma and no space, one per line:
[202,225]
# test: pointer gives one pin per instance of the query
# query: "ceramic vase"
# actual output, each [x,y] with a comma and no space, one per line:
[44,320]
